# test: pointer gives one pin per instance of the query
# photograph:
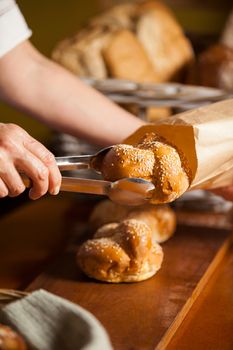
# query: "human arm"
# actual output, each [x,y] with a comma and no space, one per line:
[19,152]
[34,84]
[31,82]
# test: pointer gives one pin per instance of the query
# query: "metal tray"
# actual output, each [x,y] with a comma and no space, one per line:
[146,95]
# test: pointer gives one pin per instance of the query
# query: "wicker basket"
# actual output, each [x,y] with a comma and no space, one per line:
[9,295]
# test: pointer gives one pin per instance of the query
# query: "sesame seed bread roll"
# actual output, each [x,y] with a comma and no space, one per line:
[160,218]
[127,161]
[125,246]
[11,340]
[106,212]
[152,159]
[121,252]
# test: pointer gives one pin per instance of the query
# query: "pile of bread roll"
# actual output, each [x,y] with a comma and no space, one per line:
[125,246]
[140,41]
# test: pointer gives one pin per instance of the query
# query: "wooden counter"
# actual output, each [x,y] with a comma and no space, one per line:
[29,237]
[187,305]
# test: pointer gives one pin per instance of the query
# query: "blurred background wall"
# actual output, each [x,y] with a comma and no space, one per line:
[52,20]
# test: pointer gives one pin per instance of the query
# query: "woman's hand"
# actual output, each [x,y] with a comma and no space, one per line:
[225,192]
[20,153]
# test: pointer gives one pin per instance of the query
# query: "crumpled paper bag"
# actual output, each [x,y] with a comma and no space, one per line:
[205,136]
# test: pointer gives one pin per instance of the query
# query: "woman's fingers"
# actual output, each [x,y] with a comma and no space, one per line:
[20,153]
[3,189]
[11,183]
[47,158]
[36,171]
[11,179]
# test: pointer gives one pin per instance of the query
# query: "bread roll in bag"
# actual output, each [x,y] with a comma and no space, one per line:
[205,135]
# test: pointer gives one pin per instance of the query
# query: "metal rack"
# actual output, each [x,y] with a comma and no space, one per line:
[146,95]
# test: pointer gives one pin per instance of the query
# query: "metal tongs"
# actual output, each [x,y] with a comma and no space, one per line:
[128,191]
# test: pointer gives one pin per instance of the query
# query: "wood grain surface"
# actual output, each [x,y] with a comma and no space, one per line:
[209,324]
[29,237]
[137,316]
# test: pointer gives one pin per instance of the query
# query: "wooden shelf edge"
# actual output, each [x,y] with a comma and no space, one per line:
[174,328]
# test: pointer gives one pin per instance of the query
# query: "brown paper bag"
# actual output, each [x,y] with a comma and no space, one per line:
[205,135]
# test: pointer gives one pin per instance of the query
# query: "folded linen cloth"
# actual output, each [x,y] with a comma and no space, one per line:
[48,322]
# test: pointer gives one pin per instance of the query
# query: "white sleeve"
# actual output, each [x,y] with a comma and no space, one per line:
[13,28]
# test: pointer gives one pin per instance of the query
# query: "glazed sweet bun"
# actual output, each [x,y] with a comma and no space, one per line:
[160,218]
[121,252]
[152,159]
[106,212]
[125,245]
[128,161]
[10,340]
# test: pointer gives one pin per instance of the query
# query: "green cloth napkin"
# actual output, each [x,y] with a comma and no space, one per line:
[48,322]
